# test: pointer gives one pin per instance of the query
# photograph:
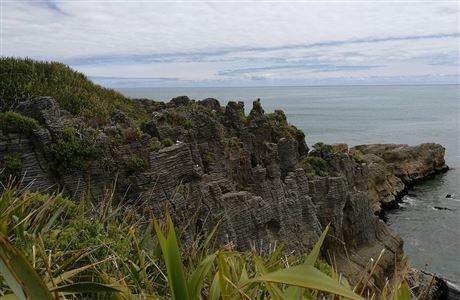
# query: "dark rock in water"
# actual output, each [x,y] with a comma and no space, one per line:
[412,195]
[431,287]
[449,196]
[443,208]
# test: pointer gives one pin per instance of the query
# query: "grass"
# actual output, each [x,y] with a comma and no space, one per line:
[25,79]
[11,122]
[51,246]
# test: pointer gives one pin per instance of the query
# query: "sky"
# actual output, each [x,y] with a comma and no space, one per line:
[239,43]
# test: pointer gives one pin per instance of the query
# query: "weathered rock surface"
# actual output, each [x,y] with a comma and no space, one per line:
[395,168]
[241,171]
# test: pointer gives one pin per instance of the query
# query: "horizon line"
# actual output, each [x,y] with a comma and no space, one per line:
[280,86]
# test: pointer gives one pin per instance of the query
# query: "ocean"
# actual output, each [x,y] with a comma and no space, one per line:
[375,114]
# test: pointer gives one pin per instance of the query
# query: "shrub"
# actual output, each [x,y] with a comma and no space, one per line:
[358,159]
[16,123]
[131,134]
[315,166]
[135,165]
[296,132]
[155,145]
[12,167]
[188,124]
[72,152]
[322,147]
[168,142]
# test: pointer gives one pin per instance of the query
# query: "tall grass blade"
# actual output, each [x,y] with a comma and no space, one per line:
[295,293]
[172,258]
[195,281]
[85,287]
[19,273]
[308,277]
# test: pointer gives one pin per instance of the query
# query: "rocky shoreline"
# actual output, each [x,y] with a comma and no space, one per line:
[253,173]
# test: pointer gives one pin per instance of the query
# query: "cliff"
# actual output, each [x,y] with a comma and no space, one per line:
[253,174]
[393,169]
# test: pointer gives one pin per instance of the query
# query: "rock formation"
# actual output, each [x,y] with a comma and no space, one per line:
[211,165]
[393,169]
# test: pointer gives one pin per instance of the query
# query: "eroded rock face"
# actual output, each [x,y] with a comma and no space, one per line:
[241,171]
[395,168]
[409,163]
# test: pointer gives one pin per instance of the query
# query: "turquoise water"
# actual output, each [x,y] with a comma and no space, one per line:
[375,114]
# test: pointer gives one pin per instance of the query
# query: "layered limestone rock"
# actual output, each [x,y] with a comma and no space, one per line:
[223,167]
[409,163]
[393,169]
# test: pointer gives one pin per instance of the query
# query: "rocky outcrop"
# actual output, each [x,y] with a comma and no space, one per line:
[210,165]
[393,169]
[409,163]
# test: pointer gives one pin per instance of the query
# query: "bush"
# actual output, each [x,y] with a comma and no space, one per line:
[72,152]
[188,124]
[322,147]
[155,145]
[315,166]
[296,132]
[25,79]
[11,122]
[358,159]
[135,165]
[11,166]
[167,142]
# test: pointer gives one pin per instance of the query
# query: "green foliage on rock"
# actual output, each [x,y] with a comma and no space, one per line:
[188,124]
[313,165]
[322,147]
[72,151]
[155,145]
[135,164]
[11,122]
[10,167]
[168,142]
[358,159]
[25,79]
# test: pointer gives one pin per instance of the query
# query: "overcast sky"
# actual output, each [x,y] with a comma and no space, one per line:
[146,43]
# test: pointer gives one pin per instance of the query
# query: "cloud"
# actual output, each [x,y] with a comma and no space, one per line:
[264,43]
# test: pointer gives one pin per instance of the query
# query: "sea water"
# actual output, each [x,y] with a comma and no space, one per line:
[375,114]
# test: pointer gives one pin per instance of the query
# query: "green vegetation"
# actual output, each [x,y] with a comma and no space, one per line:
[54,246]
[188,124]
[168,142]
[296,132]
[135,164]
[10,166]
[358,159]
[278,120]
[11,122]
[313,165]
[155,145]
[322,148]
[25,79]
[72,151]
